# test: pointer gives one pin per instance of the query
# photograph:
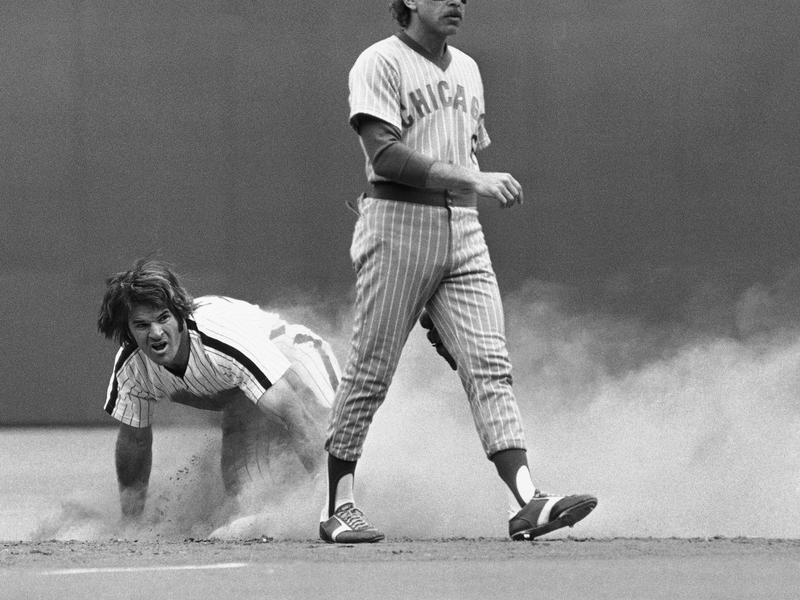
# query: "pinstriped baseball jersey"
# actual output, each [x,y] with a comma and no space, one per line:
[233,344]
[439,111]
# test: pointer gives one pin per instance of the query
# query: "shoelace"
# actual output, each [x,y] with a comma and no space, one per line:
[354,518]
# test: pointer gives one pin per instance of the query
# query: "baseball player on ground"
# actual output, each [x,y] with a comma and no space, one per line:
[417,105]
[270,378]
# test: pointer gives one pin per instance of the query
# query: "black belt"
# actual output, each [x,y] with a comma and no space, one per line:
[405,193]
[389,190]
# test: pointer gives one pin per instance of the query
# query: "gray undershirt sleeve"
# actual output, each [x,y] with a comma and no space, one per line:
[390,157]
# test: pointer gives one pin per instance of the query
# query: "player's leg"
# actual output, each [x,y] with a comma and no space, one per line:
[315,360]
[398,252]
[468,313]
[264,442]
[275,445]
[254,448]
[469,317]
[301,400]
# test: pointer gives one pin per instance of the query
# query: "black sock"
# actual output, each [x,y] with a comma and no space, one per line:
[337,468]
[508,463]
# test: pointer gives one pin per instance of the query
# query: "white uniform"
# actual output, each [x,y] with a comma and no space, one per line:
[412,253]
[233,345]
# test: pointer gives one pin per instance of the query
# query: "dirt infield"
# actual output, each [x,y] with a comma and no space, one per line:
[404,568]
[64,554]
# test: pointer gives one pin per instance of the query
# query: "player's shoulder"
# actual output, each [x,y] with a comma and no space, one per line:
[388,49]
[215,304]
[387,44]
[462,57]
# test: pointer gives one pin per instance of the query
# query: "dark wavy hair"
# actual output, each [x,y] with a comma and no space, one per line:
[150,283]
[400,12]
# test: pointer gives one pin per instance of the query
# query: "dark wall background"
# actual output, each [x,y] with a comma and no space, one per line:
[657,141]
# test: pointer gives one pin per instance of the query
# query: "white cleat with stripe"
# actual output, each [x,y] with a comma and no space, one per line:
[348,525]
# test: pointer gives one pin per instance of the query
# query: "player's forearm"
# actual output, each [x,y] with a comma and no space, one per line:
[446,176]
[500,187]
[134,459]
[394,160]
[397,162]
[400,164]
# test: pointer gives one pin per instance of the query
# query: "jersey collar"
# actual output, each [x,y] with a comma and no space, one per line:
[442,61]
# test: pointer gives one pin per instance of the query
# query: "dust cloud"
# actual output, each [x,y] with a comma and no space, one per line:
[688,427]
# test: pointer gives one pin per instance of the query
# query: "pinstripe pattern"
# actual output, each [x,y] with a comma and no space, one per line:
[407,256]
[437,111]
[231,347]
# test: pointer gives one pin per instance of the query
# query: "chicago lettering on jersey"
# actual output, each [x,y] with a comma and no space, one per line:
[422,102]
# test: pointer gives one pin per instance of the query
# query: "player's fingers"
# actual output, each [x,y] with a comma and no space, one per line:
[503,188]
[516,189]
[512,185]
[512,192]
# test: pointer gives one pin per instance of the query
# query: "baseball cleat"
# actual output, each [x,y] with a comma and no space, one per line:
[546,513]
[348,525]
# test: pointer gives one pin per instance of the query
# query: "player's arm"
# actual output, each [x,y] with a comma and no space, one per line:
[133,458]
[396,161]
[290,402]
[501,187]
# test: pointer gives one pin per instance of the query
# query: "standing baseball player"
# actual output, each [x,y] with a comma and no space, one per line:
[273,381]
[417,105]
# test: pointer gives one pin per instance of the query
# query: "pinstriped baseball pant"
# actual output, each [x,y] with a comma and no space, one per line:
[408,256]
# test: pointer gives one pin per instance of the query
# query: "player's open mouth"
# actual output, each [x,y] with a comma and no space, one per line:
[159,346]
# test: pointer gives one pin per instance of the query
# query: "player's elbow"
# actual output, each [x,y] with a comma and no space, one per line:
[384,162]
[397,162]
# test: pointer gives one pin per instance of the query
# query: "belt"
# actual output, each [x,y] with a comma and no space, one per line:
[389,190]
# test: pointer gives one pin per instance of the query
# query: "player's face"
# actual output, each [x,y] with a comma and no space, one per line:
[441,16]
[158,334]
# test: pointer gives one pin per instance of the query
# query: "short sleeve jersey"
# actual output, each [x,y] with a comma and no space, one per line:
[230,347]
[439,111]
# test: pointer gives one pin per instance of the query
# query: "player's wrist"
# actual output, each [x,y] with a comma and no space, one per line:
[447,176]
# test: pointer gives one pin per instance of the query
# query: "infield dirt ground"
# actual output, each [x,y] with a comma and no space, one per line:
[743,568]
